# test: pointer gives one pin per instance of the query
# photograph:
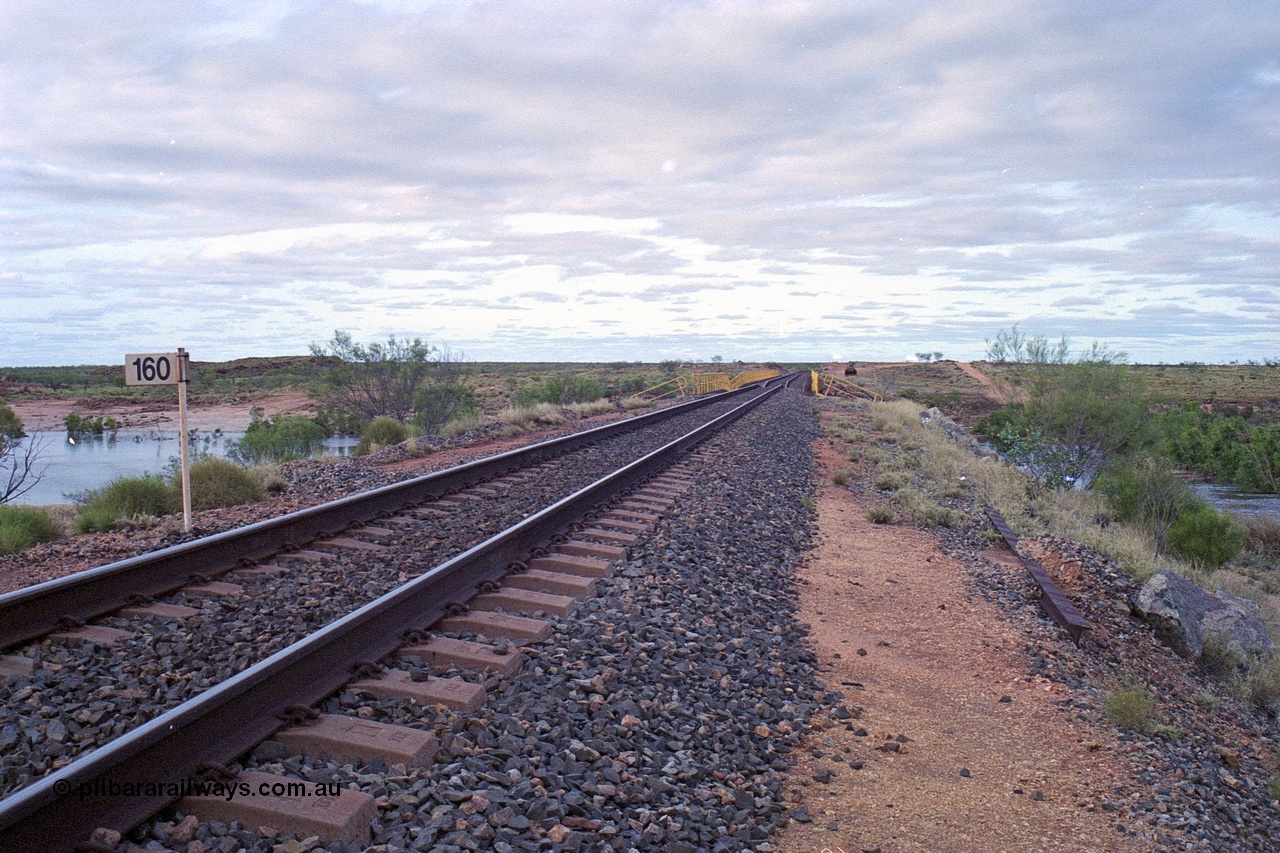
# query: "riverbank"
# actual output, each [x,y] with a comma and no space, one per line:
[151,415]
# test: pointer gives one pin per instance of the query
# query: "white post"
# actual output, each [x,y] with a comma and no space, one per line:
[182,437]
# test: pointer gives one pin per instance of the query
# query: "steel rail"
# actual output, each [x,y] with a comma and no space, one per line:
[227,720]
[37,610]
[1052,598]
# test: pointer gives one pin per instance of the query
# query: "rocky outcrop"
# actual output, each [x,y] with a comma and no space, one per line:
[1183,615]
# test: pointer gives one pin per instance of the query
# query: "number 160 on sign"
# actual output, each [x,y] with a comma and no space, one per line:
[152,368]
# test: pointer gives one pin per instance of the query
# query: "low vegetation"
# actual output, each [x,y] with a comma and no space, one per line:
[77,425]
[1132,505]
[125,499]
[560,391]
[215,483]
[1131,706]
[220,482]
[278,439]
[382,432]
[22,527]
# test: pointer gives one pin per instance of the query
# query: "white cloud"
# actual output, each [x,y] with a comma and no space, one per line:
[683,175]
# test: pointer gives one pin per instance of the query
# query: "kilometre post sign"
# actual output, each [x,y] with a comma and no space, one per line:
[167,368]
[152,368]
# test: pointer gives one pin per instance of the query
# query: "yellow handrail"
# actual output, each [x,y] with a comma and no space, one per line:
[680,388]
[826,385]
[705,383]
[749,376]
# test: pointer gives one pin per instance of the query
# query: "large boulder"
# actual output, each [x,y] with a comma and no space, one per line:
[1183,615]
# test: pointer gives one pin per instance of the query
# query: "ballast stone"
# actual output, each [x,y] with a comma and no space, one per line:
[1183,615]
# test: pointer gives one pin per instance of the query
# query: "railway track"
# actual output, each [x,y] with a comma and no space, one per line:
[168,648]
[229,718]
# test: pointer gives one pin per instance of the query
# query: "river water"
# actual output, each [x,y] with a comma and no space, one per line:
[1241,503]
[72,466]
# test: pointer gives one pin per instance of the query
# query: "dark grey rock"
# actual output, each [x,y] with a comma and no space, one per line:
[1183,615]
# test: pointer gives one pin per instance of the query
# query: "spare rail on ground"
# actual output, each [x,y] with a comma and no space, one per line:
[37,610]
[1052,598]
[232,717]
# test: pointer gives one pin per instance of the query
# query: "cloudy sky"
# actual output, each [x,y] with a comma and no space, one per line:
[638,180]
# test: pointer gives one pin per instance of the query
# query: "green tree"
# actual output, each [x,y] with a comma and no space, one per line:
[1258,467]
[384,379]
[10,423]
[1082,413]
[441,402]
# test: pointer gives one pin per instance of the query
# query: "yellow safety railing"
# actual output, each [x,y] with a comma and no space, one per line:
[826,385]
[679,387]
[705,383]
[749,376]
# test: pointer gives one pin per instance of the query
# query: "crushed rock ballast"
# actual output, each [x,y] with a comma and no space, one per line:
[658,717]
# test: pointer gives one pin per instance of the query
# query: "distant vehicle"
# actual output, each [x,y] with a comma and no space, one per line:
[850,370]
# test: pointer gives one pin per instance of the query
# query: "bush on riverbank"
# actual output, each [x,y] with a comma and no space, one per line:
[1205,538]
[125,499]
[217,483]
[22,527]
[278,439]
[1230,446]
[382,432]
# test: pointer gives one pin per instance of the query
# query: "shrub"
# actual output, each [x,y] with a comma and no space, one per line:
[1205,537]
[1147,491]
[523,419]
[841,477]
[1261,687]
[926,512]
[440,403]
[21,527]
[124,499]
[1262,540]
[891,481]
[269,476]
[278,439]
[879,514]
[80,425]
[381,432]
[1208,701]
[220,482]
[10,423]
[1131,707]
[457,427]
[1219,659]
[586,410]
[560,391]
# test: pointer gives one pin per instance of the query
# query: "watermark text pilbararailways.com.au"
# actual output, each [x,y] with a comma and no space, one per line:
[196,788]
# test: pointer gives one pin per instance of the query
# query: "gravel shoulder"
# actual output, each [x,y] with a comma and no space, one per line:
[944,761]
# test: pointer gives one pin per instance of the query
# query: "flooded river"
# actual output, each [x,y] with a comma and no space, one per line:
[73,466]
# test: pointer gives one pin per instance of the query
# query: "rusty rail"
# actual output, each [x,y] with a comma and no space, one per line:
[1052,598]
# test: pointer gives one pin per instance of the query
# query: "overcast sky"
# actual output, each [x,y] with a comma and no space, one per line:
[638,180]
